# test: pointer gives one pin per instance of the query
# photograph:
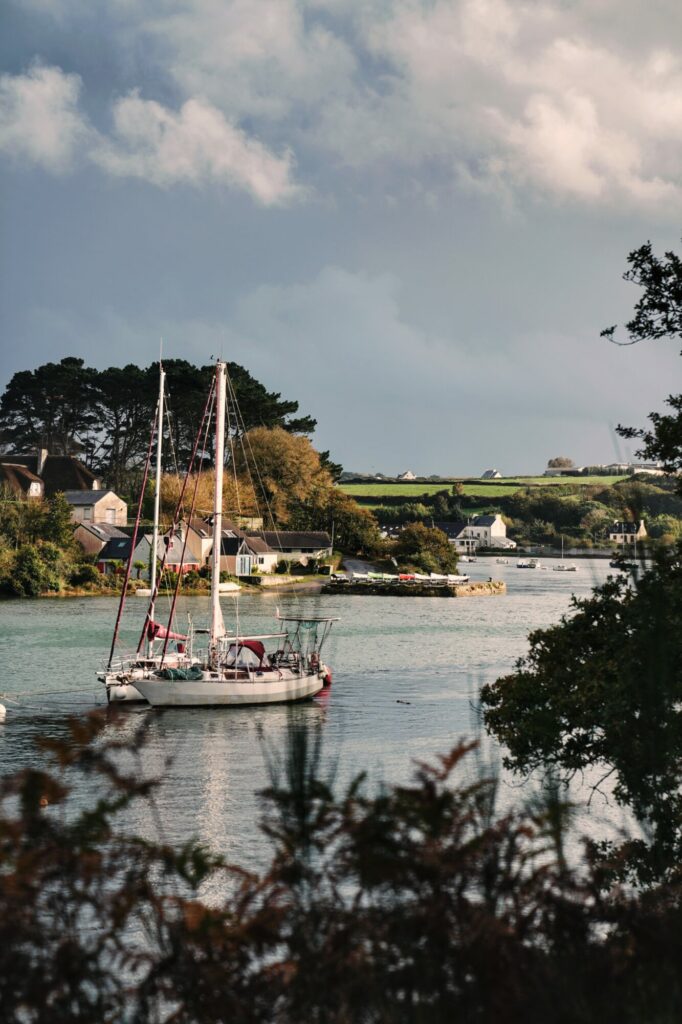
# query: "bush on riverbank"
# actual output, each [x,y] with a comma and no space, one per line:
[44,568]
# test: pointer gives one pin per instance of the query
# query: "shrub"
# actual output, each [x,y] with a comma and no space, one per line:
[85,574]
[28,578]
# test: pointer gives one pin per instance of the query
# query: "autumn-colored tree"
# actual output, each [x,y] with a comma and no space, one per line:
[284,468]
[238,495]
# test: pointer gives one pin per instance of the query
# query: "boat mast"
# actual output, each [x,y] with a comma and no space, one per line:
[157,497]
[217,625]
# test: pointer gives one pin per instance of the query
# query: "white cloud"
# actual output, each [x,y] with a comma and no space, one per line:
[39,118]
[197,145]
[255,59]
[41,124]
[578,101]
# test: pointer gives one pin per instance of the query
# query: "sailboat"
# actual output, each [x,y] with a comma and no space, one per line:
[237,669]
[121,675]
[563,566]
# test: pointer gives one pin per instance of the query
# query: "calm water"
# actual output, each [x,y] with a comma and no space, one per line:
[406,675]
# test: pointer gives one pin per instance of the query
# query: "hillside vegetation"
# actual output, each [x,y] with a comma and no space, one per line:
[537,510]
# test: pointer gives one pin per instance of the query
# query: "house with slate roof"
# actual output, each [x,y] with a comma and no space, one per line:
[97,507]
[116,550]
[296,545]
[486,531]
[627,533]
[93,537]
[199,538]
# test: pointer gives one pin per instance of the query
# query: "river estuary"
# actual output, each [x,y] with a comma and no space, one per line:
[406,675]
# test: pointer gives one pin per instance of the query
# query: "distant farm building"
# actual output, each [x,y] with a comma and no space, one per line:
[491,474]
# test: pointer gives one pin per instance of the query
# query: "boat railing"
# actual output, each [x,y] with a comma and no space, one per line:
[114,666]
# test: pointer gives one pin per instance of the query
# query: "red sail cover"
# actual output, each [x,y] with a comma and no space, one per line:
[254,645]
[156,631]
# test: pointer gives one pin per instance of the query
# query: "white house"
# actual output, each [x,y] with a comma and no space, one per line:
[563,471]
[491,474]
[408,475]
[295,545]
[487,531]
[627,533]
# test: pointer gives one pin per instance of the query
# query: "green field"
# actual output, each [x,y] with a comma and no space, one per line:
[479,488]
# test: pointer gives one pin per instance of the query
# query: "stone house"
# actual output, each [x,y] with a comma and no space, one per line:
[97,506]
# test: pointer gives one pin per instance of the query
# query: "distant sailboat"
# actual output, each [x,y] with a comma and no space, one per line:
[563,566]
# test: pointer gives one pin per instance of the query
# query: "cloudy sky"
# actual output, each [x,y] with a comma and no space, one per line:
[411,215]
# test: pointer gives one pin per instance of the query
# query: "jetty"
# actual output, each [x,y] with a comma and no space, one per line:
[380,588]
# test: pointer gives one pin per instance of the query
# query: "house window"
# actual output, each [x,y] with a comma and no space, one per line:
[87,512]
[261,560]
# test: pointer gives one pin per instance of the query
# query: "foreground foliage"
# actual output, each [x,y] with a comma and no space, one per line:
[420,903]
[602,691]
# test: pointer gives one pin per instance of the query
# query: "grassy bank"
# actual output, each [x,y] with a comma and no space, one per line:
[473,488]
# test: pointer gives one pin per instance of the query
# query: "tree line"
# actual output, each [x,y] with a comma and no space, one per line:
[105,416]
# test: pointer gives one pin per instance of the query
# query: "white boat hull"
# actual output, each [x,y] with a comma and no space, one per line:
[121,686]
[124,693]
[209,692]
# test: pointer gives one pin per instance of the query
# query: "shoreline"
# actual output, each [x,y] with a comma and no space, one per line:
[312,586]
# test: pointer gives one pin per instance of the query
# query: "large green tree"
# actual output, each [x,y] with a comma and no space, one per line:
[106,416]
[427,548]
[51,407]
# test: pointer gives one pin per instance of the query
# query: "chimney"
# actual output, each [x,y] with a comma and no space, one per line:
[41,460]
